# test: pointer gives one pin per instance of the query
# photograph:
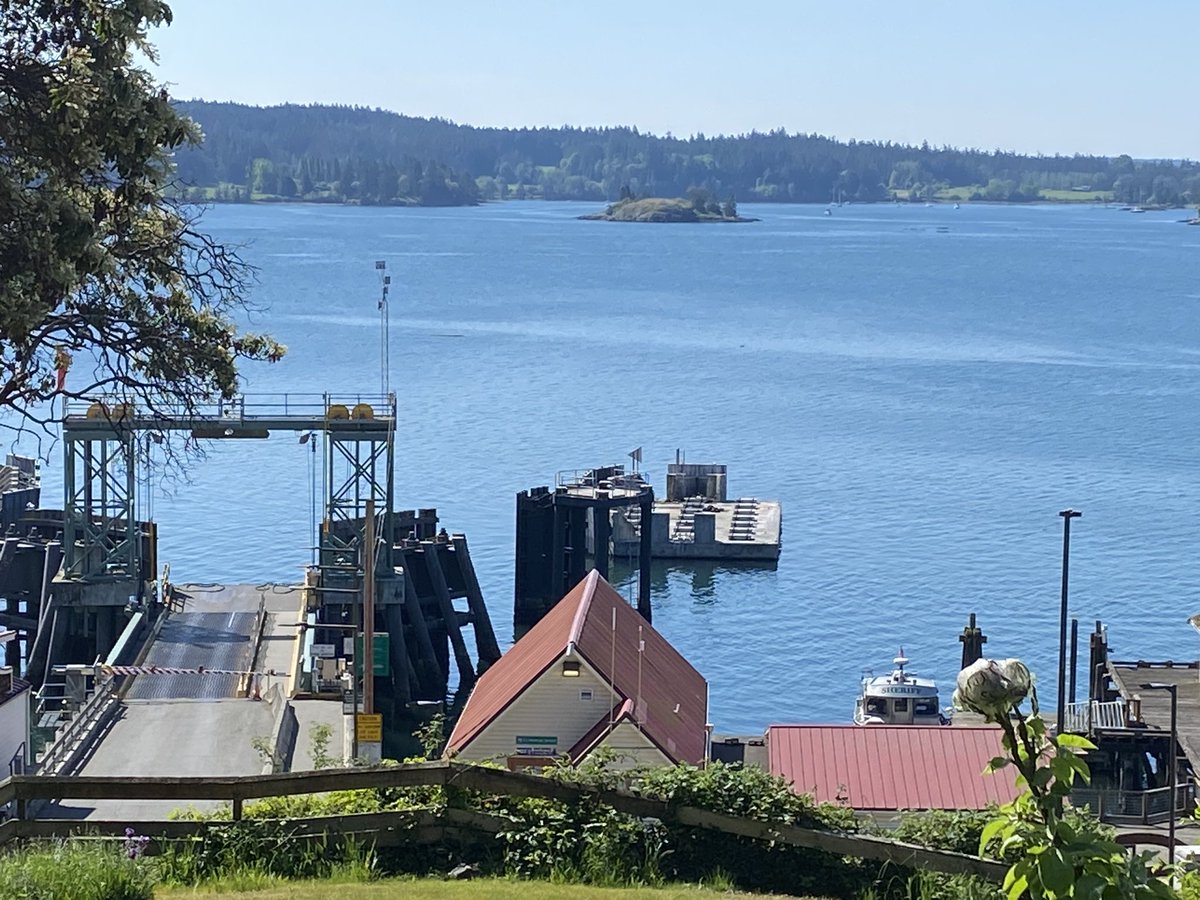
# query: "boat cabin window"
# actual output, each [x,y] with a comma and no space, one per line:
[901,705]
[925,706]
[876,707]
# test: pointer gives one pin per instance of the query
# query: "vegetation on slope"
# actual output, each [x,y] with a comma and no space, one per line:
[492,888]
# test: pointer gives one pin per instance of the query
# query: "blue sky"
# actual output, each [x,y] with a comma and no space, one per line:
[1063,77]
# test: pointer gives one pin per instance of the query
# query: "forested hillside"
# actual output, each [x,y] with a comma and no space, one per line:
[346,154]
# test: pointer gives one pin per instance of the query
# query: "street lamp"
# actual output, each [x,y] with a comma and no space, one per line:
[1067,516]
[307,438]
[1173,766]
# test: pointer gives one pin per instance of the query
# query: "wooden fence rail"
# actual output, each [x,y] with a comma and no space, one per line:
[392,828]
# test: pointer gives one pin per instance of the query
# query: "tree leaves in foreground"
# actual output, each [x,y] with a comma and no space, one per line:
[97,267]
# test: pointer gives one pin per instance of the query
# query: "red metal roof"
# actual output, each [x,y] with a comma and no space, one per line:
[508,676]
[670,698]
[890,767]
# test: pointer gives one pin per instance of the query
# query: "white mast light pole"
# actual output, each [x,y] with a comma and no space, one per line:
[385,282]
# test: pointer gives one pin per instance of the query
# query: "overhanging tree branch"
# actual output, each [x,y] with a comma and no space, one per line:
[98,268]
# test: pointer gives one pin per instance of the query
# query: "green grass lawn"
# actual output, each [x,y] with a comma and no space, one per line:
[958,194]
[1077,196]
[429,889]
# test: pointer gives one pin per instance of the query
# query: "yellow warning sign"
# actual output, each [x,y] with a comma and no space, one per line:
[370,728]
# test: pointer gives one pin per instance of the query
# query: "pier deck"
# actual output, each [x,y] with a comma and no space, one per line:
[216,640]
[252,415]
[1156,704]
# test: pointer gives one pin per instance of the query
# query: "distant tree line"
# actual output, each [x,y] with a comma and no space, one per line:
[351,154]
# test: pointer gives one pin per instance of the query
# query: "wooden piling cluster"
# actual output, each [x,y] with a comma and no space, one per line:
[415,605]
[554,528]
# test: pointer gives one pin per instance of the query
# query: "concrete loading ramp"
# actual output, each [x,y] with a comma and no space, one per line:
[172,738]
[193,723]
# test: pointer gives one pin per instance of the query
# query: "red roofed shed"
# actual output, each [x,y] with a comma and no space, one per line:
[879,768]
[591,672]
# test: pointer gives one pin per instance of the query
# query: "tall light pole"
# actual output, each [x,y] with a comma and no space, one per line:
[1067,516]
[1171,762]
[385,356]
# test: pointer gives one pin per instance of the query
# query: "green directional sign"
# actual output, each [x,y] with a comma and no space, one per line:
[537,745]
[380,649]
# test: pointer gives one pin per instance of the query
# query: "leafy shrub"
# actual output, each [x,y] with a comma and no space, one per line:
[753,864]
[942,829]
[587,841]
[582,841]
[74,871]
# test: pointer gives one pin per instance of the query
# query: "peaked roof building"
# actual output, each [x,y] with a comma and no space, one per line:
[591,673]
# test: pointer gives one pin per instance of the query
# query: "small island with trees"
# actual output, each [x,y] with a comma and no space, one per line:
[700,206]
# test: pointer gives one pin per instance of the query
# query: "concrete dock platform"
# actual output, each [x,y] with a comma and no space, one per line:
[170,739]
[309,715]
[699,528]
[697,520]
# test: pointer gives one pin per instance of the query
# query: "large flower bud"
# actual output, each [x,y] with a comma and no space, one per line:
[993,688]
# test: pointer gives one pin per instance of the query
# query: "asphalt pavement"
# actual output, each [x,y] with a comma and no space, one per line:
[192,725]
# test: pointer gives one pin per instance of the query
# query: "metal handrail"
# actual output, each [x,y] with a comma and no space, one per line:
[1152,805]
[1085,717]
[80,727]
[16,765]
[247,407]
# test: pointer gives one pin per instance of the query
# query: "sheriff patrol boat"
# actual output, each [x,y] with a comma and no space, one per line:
[900,698]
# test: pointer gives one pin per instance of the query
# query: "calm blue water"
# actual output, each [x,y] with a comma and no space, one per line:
[923,403]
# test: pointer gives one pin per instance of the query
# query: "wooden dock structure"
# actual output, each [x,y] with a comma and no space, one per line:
[557,532]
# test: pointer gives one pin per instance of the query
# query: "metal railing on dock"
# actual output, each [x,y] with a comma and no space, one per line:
[297,410]
[1141,807]
[1091,715]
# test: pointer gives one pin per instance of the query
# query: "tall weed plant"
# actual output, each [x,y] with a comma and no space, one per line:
[75,870]
[261,850]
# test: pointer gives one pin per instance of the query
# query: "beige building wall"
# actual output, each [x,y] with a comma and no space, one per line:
[14,730]
[550,707]
[633,748]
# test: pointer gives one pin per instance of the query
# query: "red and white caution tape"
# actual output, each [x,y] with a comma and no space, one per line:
[173,670]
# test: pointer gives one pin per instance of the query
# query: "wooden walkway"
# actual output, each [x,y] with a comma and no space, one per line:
[1156,703]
